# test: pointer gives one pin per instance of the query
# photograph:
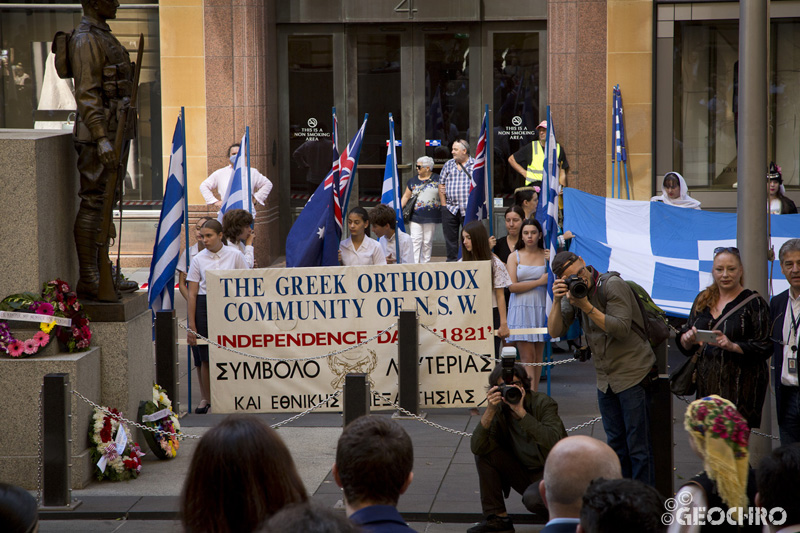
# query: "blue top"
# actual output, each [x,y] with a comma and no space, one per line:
[380,519]
[428,208]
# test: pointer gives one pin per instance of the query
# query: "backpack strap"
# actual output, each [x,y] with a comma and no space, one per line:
[643,332]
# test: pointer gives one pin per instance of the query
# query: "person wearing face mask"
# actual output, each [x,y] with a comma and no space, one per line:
[219,179]
[675,192]
[453,195]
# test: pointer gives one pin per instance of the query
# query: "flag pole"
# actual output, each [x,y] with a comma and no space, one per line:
[346,204]
[249,180]
[487,165]
[394,189]
[186,239]
[613,137]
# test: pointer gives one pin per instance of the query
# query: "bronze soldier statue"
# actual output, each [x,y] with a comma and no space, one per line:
[104,79]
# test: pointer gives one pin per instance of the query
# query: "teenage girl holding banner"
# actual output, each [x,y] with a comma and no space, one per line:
[215,256]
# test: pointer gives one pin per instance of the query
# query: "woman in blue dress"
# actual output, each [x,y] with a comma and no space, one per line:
[526,309]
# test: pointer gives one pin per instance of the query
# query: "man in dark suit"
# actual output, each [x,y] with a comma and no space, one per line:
[785,315]
[571,465]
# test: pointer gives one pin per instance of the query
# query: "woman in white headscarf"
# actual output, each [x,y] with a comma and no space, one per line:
[675,192]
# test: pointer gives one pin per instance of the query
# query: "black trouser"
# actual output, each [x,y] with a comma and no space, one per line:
[498,472]
[451,228]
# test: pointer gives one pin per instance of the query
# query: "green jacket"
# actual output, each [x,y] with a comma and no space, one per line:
[530,438]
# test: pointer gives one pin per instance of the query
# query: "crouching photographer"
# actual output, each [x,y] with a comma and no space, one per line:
[511,443]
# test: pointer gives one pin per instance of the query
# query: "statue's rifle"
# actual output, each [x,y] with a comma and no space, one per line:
[107,291]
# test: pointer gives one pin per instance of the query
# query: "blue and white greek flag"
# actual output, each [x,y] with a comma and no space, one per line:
[239,193]
[390,193]
[667,250]
[547,211]
[161,284]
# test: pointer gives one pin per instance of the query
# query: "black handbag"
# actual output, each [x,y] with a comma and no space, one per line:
[408,209]
[683,382]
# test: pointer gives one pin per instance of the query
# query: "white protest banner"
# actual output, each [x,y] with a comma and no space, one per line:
[298,313]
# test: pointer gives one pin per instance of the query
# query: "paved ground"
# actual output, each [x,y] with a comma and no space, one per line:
[442,498]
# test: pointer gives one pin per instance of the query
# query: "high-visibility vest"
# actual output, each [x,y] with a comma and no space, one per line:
[536,166]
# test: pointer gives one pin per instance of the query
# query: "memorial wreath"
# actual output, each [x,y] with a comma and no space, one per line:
[115,455]
[158,414]
[55,301]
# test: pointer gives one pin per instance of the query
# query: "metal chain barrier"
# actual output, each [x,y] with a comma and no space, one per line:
[169,433]
[41,451]
[773,437]
[131,422]
[304,413]
[484,356]
[386,402]
[265,358]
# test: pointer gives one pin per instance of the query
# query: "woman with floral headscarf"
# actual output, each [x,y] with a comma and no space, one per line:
[719,435]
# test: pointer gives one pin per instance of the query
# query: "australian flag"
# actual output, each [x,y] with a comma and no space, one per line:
[477,209]
[347,169]
[315,235]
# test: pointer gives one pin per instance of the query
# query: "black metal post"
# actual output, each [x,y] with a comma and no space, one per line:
[55,446]
[408,361]
[356,397]
[661,424]
[166,333]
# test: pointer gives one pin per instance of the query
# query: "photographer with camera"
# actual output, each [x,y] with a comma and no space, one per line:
[515,434]
[609,313]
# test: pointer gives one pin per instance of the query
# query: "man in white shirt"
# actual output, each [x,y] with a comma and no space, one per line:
[784,310]
[384,224]
[219,179]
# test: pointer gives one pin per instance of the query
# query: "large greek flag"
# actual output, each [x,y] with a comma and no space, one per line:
[161,284]
[667,250]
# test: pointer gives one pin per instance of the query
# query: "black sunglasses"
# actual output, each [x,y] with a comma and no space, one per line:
[730,249]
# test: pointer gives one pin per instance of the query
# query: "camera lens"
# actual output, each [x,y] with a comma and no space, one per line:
[512,394]
[577,287]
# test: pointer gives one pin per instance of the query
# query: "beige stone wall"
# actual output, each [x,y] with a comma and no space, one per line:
[183,83]
[630,64]
[576,78]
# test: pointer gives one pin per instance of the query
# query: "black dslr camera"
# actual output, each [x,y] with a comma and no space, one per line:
[511,393]
[577,287]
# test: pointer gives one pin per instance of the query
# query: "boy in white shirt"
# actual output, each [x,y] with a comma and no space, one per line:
[384,224]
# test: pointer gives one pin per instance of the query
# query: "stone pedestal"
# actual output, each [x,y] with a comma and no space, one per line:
[21,383]
[125,332]
[39,201]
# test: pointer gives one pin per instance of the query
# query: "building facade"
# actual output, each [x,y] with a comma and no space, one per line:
[280,66]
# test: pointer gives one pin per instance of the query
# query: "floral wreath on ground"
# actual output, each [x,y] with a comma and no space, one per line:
[56,300]
[104,439]
[165,419]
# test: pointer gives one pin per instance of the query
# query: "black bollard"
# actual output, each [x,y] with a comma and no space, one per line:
[661,424]
[55,446]
[166,332]
[356,397]
[408,361]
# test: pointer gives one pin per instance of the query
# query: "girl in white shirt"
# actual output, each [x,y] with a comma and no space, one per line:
[237,230]
[360,249]
[215,256]
[476,248]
